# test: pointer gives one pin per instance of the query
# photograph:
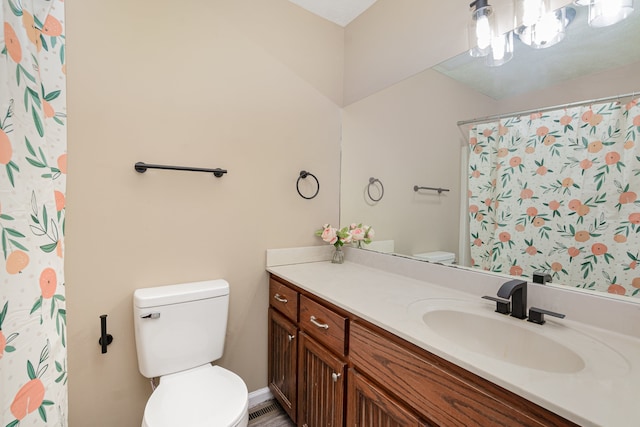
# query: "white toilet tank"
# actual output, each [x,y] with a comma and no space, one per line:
[179,327]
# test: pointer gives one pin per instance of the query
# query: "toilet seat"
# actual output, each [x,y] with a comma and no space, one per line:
[205,396]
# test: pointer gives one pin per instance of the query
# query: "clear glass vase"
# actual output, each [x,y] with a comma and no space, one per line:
[338,256]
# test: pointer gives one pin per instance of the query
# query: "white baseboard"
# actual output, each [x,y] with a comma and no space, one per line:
[259,396]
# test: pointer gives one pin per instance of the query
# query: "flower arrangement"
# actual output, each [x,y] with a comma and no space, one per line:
[354,233]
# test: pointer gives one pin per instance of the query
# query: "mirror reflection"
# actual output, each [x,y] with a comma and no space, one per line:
[407,136]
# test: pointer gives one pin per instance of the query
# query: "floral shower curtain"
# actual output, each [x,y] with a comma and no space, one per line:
[559,192]
[33,166]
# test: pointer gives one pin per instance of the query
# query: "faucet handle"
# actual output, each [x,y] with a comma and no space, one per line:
[536,315]
[503,306]
[542,277]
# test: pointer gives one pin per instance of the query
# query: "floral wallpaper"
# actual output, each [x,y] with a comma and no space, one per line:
[558,191]
[33,167]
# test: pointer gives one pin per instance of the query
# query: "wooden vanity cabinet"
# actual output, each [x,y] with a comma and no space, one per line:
[353,373]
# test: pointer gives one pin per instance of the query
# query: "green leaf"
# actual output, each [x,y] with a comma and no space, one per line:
[49,247]
[37,122]
[10,174]
[27,74]
[36,306]
[6,217]
[30,371]
[43,413]
[45,217]
[19,245]
[3,313]
[35,163]
[44,43]
[47,402]
[13,423]
[13,232]
[15,9]
[29,146]
[52,95]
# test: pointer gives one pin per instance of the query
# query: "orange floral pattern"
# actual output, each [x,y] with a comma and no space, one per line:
[558,191]
[33,145]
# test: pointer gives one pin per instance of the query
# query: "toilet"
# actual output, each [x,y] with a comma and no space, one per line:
[437,256]
[179,331]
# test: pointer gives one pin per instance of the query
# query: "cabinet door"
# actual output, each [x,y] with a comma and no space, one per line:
[320,385]
[282,361]
[369,406]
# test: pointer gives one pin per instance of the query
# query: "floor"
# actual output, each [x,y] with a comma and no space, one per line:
[269,414]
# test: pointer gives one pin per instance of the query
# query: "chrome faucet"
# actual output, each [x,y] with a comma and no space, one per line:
[516,291]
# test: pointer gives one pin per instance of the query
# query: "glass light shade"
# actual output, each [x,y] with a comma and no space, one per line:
[501,50]
[480,31]
[603,13]
[528,12]
[548,31]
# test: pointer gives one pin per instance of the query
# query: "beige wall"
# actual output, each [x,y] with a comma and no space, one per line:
[253,87]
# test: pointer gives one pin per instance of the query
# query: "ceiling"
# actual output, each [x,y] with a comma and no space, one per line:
[341,12]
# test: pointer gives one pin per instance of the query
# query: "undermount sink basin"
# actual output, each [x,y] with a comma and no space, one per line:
[504,339]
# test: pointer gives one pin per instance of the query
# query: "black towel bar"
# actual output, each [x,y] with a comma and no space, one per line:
[142,167]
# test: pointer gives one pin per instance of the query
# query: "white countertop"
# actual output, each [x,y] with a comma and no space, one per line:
[600,394]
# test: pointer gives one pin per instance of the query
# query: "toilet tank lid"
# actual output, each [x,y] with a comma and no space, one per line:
[436,256]
[179,293]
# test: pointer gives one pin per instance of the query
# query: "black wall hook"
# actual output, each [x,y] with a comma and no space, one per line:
[105,338]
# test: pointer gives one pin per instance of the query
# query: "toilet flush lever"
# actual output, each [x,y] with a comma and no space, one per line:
[150,316]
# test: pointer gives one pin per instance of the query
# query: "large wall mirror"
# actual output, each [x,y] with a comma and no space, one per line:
[407,135]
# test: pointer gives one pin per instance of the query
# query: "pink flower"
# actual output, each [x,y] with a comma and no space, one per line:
[357,233]
[329,235]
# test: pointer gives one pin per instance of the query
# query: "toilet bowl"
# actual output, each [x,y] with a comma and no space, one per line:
[206,396]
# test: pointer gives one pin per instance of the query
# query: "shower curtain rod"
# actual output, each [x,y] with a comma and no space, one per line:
[541,110]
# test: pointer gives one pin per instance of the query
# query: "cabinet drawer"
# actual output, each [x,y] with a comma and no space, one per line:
[284,299]
[325,325]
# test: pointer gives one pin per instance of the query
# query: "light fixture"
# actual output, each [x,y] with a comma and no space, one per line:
[480,28]
[528,12]
[501,49]
[536,25]
[547,31]
[603,13]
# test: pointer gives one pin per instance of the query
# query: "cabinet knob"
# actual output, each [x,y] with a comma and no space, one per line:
[335,377]
[291,337]
[279,298]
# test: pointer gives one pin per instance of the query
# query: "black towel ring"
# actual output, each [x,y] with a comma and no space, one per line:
[371,182]
[303,175]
